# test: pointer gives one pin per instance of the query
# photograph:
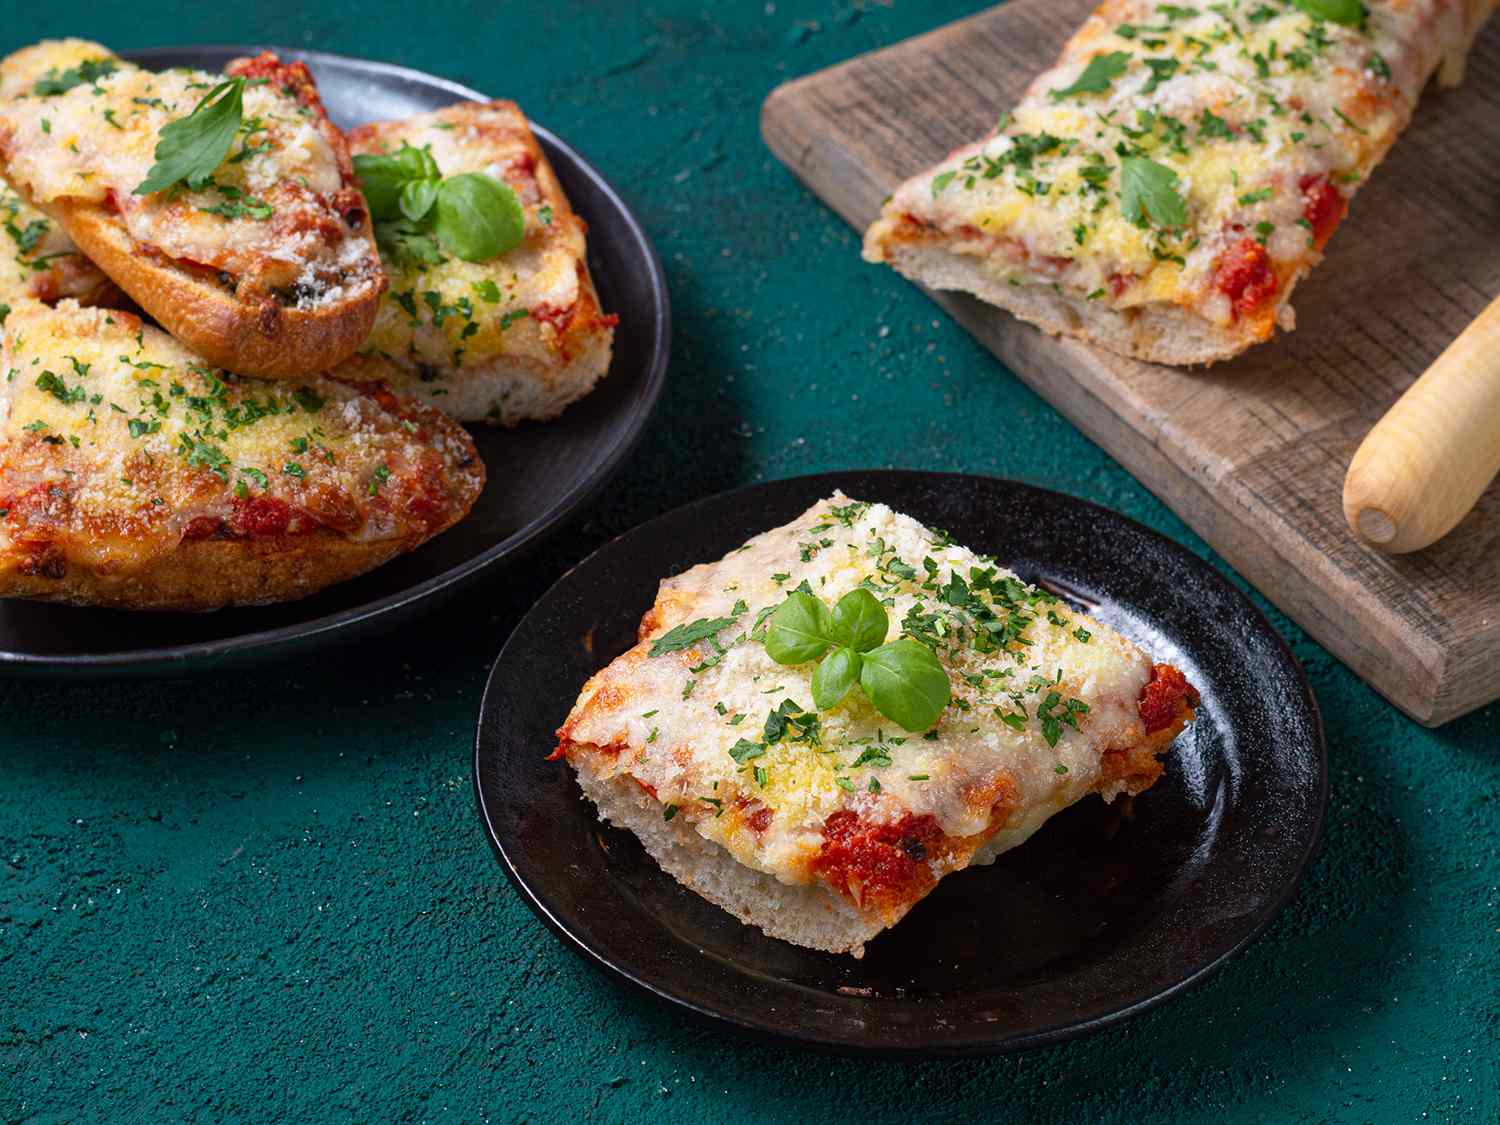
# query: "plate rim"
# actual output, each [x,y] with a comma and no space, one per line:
[512,548]
[729,1017]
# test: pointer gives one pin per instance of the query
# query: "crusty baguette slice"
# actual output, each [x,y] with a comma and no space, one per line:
[514,339]
[1163,189]
[269,270]
[135,476]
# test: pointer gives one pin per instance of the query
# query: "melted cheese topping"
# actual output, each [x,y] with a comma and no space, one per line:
[1252,104]
[271,211]
[672,722]
[115,439]
[38,259]
[449,323]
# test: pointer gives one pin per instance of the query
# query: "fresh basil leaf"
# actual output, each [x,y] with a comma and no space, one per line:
[418,162]
[381,178]
[686,636]
[190,149]
[417,198]
[1350,13]
[833,678]
[478,217]
[1148,193]
[798,631]
[1098,75]
[859,621]
[905,683]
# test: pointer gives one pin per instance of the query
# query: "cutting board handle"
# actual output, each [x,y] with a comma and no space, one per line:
[1425,464]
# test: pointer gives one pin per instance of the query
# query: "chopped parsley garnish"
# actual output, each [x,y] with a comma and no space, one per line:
[85,73]
[1098,76]
[686,636]
[1148,193]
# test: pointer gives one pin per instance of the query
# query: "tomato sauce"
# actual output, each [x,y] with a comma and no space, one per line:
[1323,208]
[1163,698]
[1245,276]
[879,861]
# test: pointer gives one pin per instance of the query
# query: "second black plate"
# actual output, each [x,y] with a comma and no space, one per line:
[1099,916]
[539,474]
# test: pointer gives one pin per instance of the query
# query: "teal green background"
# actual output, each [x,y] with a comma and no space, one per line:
[266,894]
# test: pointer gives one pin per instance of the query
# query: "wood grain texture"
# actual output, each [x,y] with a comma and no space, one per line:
[1251,453]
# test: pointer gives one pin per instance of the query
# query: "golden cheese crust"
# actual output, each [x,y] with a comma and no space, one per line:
[514,339]
[134,475]
[270,269]
[1162,189]
[718,735]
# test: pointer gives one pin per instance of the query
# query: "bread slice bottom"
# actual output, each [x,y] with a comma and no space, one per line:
[1159,333]
[809,914]
[507,390]
[262,338]
[205,574]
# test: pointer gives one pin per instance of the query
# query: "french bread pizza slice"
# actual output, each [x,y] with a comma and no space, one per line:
[135,475]
[502,333]
[817,728]
[1164,187]
[224,205]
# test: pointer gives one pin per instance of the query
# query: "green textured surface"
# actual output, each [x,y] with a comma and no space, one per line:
[267,895]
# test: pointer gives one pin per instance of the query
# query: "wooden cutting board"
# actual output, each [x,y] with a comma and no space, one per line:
[1252,454]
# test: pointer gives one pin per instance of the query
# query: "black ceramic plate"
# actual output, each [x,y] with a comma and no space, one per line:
[1099,916]
[538,474]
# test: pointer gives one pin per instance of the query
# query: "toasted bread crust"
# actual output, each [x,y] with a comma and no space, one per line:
[206,574]
[1160,333]
[259,337]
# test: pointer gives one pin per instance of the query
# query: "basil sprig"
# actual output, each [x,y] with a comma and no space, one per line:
[471,215]
[902,679]
[190,149]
